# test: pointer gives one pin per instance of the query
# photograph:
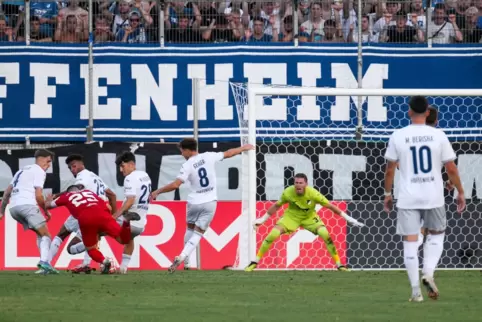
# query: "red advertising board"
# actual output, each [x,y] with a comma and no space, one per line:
[163,239]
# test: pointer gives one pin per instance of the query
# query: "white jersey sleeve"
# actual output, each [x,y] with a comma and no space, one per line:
[391,153]
[24,183]
[138,185]
[200,172]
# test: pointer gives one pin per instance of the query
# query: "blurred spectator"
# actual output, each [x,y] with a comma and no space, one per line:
[388,19]
[442,31]
[174,10]
[461,7]
[312,30]
[478,5]
[401,33]
[5,31]
[36,34]
[135,32]
[287,32]
[331,32]
[73,9]
[67,32]
[472,33]
[258,34]
[368,36]
[416,8]
[270,15]
[47,13]
[219,30]
[102,31]
[183,33]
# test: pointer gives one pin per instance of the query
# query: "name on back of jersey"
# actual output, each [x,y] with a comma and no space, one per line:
[419,139]
[199,163]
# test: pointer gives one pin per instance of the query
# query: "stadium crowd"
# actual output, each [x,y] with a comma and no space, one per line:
[325,21]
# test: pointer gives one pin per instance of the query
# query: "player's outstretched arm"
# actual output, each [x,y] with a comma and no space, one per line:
[130,200]
[232,152]
[272,210]
[6,198]
[112,200]
[454,178]
[167,188]
[341,213]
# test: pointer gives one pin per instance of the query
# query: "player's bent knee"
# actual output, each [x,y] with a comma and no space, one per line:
[199,230]
[410,238]
[435,232]
[42,231]
[63,233]
[273,235]
[191,226]
[279,228]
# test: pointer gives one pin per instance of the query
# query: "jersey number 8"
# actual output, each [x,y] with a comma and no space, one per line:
[203,177]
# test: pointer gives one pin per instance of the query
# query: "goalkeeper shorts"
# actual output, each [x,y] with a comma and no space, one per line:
[291,224]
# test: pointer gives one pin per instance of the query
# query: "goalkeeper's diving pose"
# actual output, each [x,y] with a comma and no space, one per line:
[301,212]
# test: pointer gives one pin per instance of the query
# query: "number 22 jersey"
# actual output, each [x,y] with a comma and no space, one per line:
[138,184]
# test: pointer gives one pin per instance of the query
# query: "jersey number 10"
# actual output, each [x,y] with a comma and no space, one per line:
[422,159]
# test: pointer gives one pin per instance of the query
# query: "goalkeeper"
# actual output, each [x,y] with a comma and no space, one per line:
[303,201]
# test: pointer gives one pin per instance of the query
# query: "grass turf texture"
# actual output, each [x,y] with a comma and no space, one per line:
[235,296]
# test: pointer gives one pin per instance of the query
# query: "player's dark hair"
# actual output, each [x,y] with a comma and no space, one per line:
[43,153]
[74,157]
[301,176]
[432,116]
[188,144]
[418,104]
[75,187]
[125,157]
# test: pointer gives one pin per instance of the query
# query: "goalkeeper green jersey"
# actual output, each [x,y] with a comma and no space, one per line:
[301,206]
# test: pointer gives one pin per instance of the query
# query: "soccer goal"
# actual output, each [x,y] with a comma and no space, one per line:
[337,137]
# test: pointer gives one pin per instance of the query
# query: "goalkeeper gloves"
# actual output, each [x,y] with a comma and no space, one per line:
[351,221]
[261,220]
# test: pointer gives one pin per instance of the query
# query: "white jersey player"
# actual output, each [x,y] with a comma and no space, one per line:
[200,172]
[421,151]
[137,191]
[25,195]
[94,183]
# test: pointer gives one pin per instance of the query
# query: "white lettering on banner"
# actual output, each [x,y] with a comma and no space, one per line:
[275,168]
[256,73]
[150,243]
[309,73]
[11,254]
[219,91]
[112,74]
[11,72]
[373,78]
[220,241]
[170,167]
[6,175]
[161,95]
[343,167]
[293,244]
[42,90]
[470,171]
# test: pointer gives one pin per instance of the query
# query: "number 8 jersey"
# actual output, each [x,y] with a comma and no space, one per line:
[138,184]
[200,172]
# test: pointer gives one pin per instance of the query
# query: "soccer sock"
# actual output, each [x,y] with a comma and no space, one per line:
[187,236]
[87,260]
[191,244]
[267,242]
[125,261]
[96,255]
[410,256]
[39,239]
[44,248]
[432,252]
[77,248]
[125,235]
[323,233]
[54,247]
[420,239]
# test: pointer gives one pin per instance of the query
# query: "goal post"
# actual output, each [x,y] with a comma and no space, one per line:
[348,171]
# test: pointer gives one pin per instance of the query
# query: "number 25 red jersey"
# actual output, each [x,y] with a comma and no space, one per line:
[81,202]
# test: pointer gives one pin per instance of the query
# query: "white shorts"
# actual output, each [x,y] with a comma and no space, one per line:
[201,215]
[29,216]
[410,221]
[135,231]
[71,224]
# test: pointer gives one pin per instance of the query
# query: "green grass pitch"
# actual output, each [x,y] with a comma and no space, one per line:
[231,296]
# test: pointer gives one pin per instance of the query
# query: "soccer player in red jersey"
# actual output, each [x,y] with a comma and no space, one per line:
[94,218]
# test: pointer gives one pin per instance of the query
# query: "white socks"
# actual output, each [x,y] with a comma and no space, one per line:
[77,248]
[44,248]
[410,256]
[432,252]
[187,236]
[191,244]
[87,260]
[39,239]
[125,262]
[54,247]
[420,239]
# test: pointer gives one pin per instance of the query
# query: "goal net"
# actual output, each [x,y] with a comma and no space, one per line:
[314,131]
